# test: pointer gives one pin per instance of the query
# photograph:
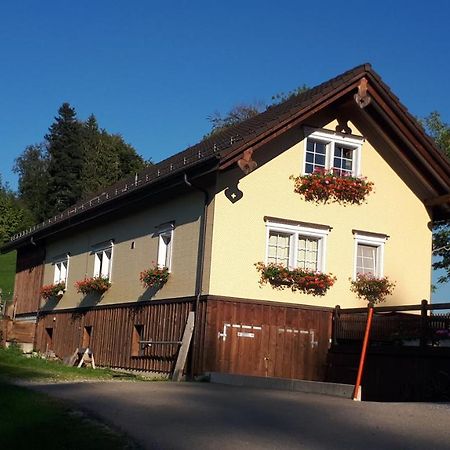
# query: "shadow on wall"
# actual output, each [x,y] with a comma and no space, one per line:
[91,299]
[149,293]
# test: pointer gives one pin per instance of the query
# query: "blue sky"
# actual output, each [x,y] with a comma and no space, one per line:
[153,71]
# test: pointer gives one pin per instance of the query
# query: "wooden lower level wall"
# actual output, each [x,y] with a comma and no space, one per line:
[266,339]
[232,336]
[17,331]
[109,332]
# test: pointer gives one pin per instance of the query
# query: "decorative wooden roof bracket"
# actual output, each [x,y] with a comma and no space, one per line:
[246,163]
[362,98]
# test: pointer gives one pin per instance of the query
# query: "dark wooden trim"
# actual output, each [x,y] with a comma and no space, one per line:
[218,298]
[203,298]
[429,307]
[132,304]
[441,200]
[395,120]
[292,121]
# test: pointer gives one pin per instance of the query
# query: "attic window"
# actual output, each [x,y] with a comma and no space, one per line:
[329,151]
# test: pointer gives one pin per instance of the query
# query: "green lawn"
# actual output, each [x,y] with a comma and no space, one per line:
[7,272]
[13,364]
[29,420]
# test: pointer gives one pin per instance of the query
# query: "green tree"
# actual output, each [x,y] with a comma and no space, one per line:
[243,111]
[14,216]
[107,158]
[32,168]
[440,132]
[236,115]
[76,160]
[65,160]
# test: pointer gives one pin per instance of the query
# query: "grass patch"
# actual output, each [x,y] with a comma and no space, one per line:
[7,274]
[14,364]
[29,420]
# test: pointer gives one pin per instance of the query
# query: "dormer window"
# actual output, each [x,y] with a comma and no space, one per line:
[330,151]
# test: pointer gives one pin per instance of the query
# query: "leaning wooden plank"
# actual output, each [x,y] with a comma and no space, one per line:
[86,353]
[185,343]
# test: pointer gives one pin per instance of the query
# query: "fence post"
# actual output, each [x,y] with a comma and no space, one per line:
[423,323]
[336,316]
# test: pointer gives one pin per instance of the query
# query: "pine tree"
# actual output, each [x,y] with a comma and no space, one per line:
[66,160]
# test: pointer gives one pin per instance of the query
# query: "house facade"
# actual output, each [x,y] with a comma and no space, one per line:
[211,213]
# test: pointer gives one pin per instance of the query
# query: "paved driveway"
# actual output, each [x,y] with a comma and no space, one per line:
[167,415]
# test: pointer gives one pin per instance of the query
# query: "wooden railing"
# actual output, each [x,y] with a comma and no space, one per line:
[407,324]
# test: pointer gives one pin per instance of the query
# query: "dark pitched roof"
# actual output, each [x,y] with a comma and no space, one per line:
[228,143]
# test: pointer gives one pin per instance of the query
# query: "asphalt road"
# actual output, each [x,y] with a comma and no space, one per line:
[164,415]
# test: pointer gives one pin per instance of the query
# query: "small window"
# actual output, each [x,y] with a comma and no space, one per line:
[61,270]
[327,151]
[103,260]
[296,246]
[369,253]
[165,241]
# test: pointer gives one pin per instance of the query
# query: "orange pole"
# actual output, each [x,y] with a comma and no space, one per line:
[363,354]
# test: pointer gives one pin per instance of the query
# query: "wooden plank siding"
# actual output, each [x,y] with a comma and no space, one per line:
[28,281]
[111,333]
[232,336]
[263,339]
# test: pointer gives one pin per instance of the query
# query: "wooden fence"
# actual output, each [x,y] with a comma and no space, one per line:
[398,325]
[408,358]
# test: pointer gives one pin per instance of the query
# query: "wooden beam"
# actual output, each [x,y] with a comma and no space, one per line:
[185,342]
[441,200]
[286,125]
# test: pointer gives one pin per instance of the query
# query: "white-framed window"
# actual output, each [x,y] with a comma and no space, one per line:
[369,253]
[61,272]
[165,243]
[296,245]
[331,151]
[103,254]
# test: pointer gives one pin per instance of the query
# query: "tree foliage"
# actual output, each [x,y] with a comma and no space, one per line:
[236,115]
[244,111]
[65,160]
[14,217]
[32,168]
[440,132]
[76,160]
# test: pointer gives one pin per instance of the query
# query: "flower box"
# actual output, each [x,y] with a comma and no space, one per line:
[154,277]
[371,288]
[95,284]
[302,280]
[323,186]
[55,290]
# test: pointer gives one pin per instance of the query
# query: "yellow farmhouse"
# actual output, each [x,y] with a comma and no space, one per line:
[259,228]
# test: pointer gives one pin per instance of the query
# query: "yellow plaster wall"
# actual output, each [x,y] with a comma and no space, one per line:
[239,232]
[127,262]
